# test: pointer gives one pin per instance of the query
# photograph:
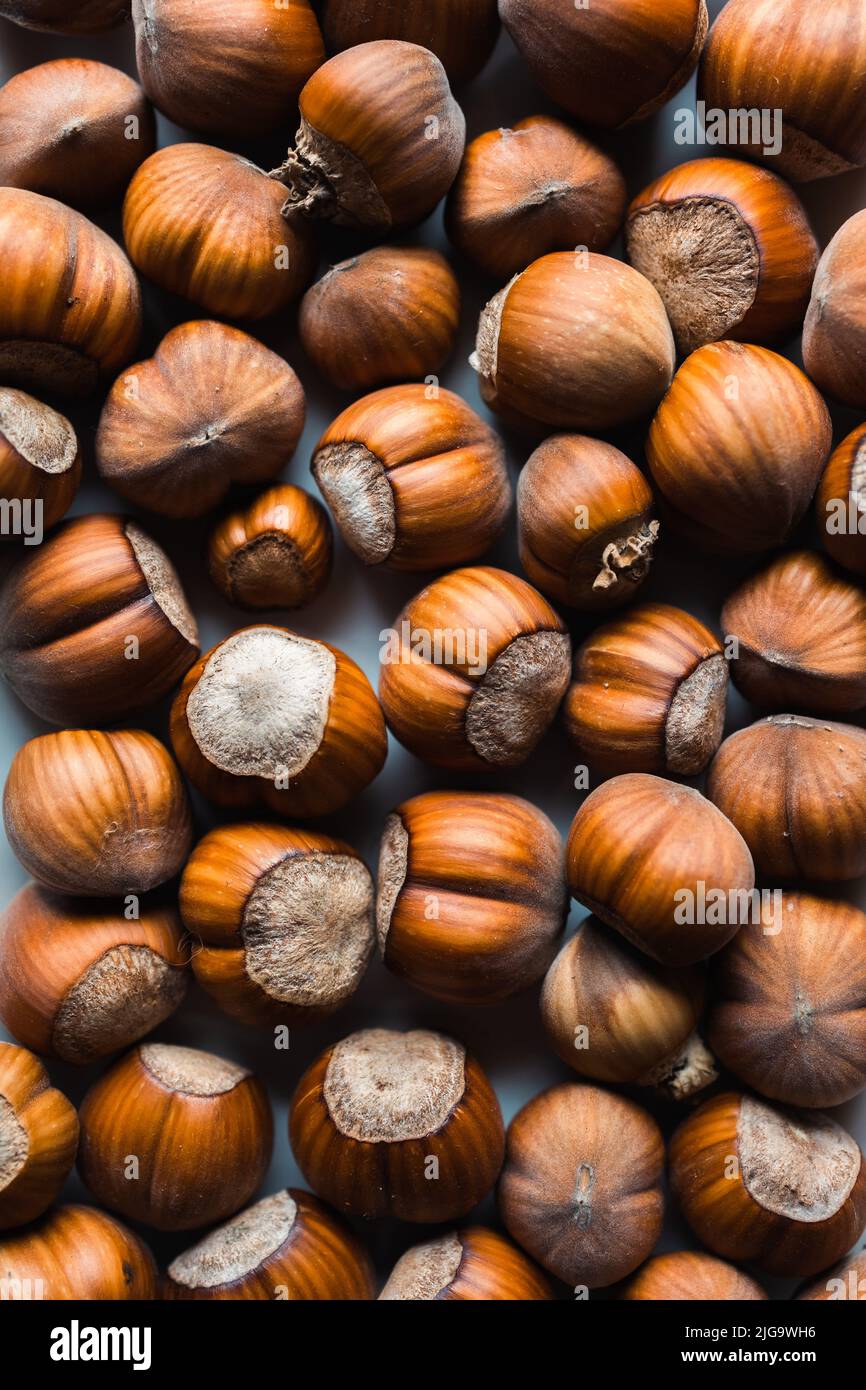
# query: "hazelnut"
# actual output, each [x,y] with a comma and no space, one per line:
[615,1016]
[174,1138]
[523,192]
[737,447]
[97,813]
[610,62]
[288,1246]
[208,225]
[65,16]
[40,462]
[729,248]
[475,670]
[841,503]
[74,130]
[212,407]
[80,980]
[415,481]
[94,625]
[781,661]
[581,1189]
[795,788]
[38,1138]
[471,895]
[547,341]
[846,1280]
[783,1189]
[380,139]
[275,554]
[233,69]
[285,918]
[690,1275]
[397,1124]
[662,865]
[461,33]
[76,1253]
[585,516]
[267,716]
[71,310]
[468,1266]
[390,314]
[834,334]
[648,693]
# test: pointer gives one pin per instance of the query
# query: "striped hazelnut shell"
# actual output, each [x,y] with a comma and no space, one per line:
[40,461]
[39,1128]
[277,553]
[834,333]
[840,503]
[690,1275]
[461,33]
[470,1265]
[77,1253]
[65,16]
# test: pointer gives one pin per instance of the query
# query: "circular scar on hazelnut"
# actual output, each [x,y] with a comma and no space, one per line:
[384,1087]
[516,699]
[42,437]
[162,579]
[125,994]
[356,487]
[797,1165]
[696,718]
[261,704]
[425,1270]
[393,867]
[239,1247]
[190,1071]
[14,1144]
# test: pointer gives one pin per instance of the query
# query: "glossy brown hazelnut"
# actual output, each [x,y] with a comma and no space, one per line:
[529,190]
[287,1247]
[212,407]
[581,1190]
[81,979]
[834,334]
[71,310]
[778,660]
[76,1253]
[474,670]
[380,139]
[795,788]
[233,69]
[840,503]
[471,897]
[38,1138]
[690,1276]
[547,343]
[615,1016]
[415,480]
[94,625]
[783,1189]
[737,447]
[648,694]
[460,32]
[845,1281]
[465,1266]
[729,248]
[276,554]
[662,865]
[586,527]
[284,920]
[389,314]
[269,717]
[402,1125]
[174,1138]
[40,463]
[610,62]
[209,225]
[65,16]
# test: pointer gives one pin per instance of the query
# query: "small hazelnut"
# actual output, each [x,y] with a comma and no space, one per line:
[415,482]
[397,1124]
[840,503]
[80,980]
[65,16]
[198,1128]
[76,1253]
[461,33]
[275,554]
[38,1138]
[467,1266]
[494,866]
[690,1275]
[40,462]
[845,1281]
[834,334]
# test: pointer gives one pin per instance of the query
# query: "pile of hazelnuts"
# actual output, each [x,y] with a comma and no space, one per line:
[707,981]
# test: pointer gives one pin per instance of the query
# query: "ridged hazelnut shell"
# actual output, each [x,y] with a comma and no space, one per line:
[40,461]
[461,33]
[77,1253]
[690,1276]
[39,1129]
[276,554]
[65,16]
[840,503]
[834,334]
[472,1265]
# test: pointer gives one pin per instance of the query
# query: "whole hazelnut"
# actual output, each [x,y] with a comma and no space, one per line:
[174,1138]
[392,1124]
[783,1189]
[581,1189]
[65,16]
[474,670]
[211,408]
[690,1275]
[461,33]
[81,980]
[471,897]
[275,554]
[737,447]
[531,189]
[840,503]
[547,343]
[466,1266]
[38,1138]
[76,1253]
[415,481]
[662,865]
[285,921]
[288,1246]
[729,248]
[267,716]
[648,693]
[94,625]
[845,1281]
[389,314]
[40,461]
[834,334]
